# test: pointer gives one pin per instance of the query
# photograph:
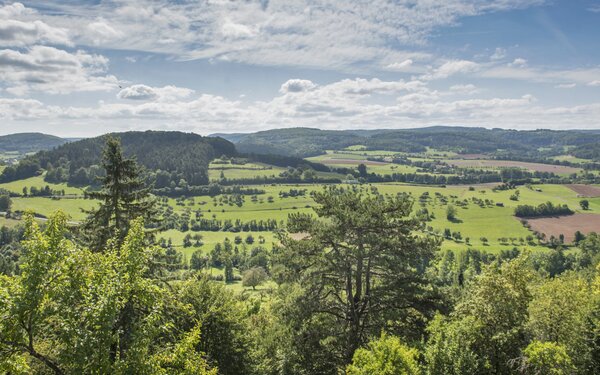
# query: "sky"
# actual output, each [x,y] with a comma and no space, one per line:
[79,68]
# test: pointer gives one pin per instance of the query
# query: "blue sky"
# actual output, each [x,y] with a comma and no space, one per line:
[82,68]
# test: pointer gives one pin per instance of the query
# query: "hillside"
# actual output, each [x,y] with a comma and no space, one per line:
[23,143]
[170,156]
[305,142]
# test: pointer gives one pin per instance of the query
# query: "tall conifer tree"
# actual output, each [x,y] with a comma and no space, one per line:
[123,197]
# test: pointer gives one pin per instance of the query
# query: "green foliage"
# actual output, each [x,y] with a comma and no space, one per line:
[544,209]
[123,197]
[585,204]
[254,277]
[546,358]
[184,155]
[385,356]
[451,213]
[560,313]
[361,266]
[5,202]
[225,334]
[71,311]
[488,326]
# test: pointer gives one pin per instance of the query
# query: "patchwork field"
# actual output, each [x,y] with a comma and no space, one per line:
[585,190]
[539,167]
[566,225]
[484,221]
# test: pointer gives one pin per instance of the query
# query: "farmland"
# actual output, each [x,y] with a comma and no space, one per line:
[484,211]
[475,221]
[539,167]
[566,225]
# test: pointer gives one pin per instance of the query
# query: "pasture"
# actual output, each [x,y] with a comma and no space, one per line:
[495,164]
[242,171]
[38,182]
[484,216]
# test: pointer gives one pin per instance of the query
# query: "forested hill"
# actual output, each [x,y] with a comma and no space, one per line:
[171,156]
[308,142]
[29,142]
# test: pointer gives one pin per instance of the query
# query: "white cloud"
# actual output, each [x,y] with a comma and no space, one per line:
[345,103]
[52,70]
[101,32]
[147,93]
[452,67]
[498,54]
[566,76]
[296,85]
[594,83]
[518,63]
[18,34]
[468,89]
[566,86]
[35,61]
[138,92]
[317,33]
[400,66]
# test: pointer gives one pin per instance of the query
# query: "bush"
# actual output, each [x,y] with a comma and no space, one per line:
[384,356]
[5,203]
[254,277]
[546,358]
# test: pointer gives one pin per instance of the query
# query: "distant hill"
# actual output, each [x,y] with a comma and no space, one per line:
[29,142]
[169,156]
[231,137]
[303,142]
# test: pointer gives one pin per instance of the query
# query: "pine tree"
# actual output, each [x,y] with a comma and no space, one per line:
[123,197]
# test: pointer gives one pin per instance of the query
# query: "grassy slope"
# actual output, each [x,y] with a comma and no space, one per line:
[38,182]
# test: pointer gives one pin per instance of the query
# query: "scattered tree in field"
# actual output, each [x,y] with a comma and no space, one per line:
[254,277]
[5,202]
[585,204]
[578,237]
[122,197]
[362,170]
[451,213]
[385,356]
[198,261]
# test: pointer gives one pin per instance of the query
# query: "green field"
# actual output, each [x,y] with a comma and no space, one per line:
[571,158]
[475,222]
[38,182]
[350,160]
[46,206]
[242,171]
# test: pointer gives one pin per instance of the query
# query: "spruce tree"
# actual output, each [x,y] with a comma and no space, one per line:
[123,197]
